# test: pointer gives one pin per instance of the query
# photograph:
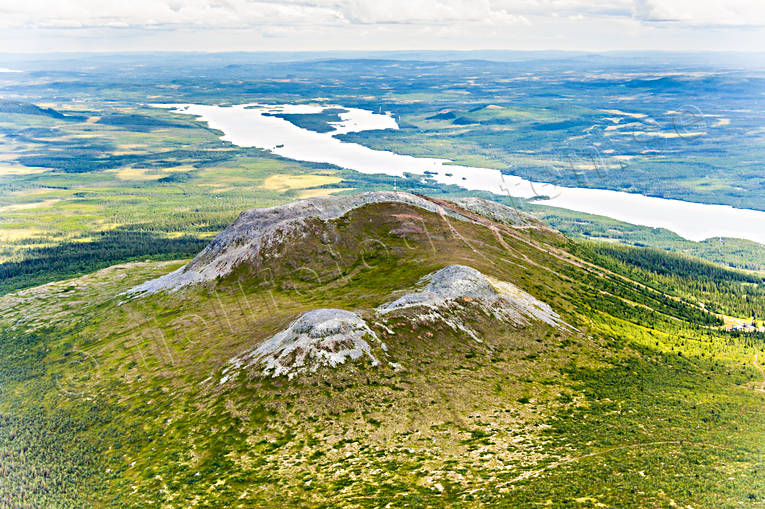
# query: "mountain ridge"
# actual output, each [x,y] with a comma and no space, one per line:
[255,229]
[473,401]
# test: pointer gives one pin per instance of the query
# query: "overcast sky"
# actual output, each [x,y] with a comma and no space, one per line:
[255,25]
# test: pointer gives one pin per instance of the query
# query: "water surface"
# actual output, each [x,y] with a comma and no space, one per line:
[249,126]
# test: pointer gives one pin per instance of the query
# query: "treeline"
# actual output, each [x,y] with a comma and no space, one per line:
[734,253]
[661,262]
[43,458]
[40,265]
[139,123]
[719,289]
[20,357]
[318,122]
[55,447]
[637,304]
[23,108]
[85,160]
[744,300]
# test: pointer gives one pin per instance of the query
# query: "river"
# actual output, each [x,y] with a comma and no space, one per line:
[251,126]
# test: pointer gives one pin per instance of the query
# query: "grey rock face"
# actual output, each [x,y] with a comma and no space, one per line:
[445,288]
[500,213]
[330,337]
[257,229]
[322,337]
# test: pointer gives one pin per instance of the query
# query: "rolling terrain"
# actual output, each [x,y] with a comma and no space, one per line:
[91,175]
[386,349]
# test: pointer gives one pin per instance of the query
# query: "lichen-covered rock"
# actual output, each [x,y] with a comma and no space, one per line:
[500,213]
[454,285]
[258,229]
[322,337]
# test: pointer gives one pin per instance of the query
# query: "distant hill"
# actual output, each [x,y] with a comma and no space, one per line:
[32,109]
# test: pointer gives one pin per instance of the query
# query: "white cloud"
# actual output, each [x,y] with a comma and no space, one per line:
[431,11]
[702,12]
[152,13]
[46,25]
[243,13]
[247,13]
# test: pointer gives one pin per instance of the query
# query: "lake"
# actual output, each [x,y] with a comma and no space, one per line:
[250,125]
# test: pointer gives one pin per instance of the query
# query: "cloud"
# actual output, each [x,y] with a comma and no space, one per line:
[247,13]
[154,13]
[101,25]
[430,12]
[702,12]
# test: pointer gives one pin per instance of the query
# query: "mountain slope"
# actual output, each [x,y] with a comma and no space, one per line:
[373,350]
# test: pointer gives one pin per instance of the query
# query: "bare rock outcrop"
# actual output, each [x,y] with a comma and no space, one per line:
[258,229]
[451,287]
[322,337]
[500,213]
[330,337]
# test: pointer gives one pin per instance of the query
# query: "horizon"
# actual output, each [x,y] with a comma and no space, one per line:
[393,51]
[658,60]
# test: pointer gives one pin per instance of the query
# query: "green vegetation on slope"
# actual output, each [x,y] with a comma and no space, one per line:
[647,405]
[737,253]
[718,289]
[43,264]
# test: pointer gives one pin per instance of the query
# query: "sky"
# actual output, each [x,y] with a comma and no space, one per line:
[300,25]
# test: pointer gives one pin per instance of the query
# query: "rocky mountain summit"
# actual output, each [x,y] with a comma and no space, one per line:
[330,337]
[322,337]
[457,283]
[257,229]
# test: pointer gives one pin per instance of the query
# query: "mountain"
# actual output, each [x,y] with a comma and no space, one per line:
[384,349]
